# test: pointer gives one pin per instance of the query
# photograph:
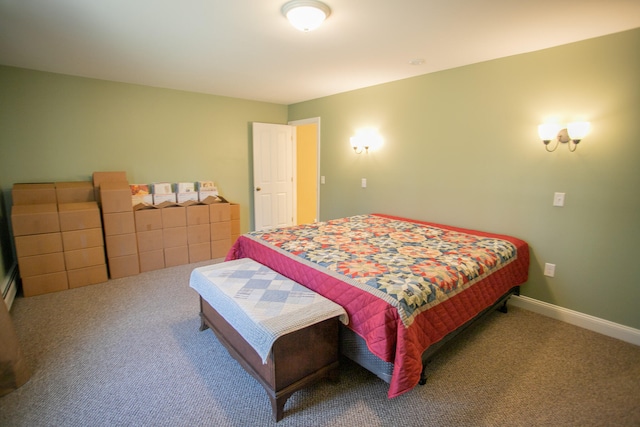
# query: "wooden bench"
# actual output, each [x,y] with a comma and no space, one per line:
[295,360]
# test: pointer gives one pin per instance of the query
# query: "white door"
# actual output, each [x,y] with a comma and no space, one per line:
[273,162]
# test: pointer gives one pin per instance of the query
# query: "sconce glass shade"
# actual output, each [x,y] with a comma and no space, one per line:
[365,140]
[578,130]
[571,135]
[355,142]
[306,15]
[548,131]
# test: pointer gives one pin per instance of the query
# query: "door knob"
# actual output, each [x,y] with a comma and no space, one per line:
[258,188]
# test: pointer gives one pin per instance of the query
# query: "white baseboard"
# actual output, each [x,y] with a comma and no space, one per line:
[10,286]
[605,327]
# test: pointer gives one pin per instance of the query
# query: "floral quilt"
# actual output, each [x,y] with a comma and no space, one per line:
[410,265]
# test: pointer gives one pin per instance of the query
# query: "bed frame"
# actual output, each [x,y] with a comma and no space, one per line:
[355,348]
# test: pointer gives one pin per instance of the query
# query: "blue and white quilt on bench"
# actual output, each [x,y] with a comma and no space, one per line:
[259,303]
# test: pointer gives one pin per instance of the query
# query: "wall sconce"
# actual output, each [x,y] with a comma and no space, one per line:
[366,139]
[571,135]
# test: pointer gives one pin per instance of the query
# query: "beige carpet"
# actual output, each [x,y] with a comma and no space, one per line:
[128,353]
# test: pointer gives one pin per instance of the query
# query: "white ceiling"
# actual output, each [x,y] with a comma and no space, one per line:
[247,49]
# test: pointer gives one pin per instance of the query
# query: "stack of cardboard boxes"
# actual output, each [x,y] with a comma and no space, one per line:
[58,236]
[119,229]
[177,235]
[234,209]
[174,236]
[36,229]
[61,232]
[149,235]
[83,244]
[198,233]
[220,217]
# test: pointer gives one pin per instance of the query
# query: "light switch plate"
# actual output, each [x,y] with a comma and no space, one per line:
[558,199]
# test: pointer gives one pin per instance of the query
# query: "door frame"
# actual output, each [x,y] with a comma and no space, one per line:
[311,120]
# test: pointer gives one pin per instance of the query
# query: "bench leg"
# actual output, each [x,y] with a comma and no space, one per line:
[203,324]
[277,405]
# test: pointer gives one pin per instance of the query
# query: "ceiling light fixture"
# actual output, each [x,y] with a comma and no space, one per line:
[306,15]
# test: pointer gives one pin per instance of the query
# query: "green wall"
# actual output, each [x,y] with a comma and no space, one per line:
[461,148]
[62,128]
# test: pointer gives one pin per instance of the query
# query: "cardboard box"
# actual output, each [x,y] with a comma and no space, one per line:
[197,214]
[32,194]
[118,223]
[115,197]
[148,219]
[75,192]
[82,239]
[219,212]
[87,276]
[34,219]
[220,248]
[121,245]
[235,226]
[221,230]
[235,222]
[152,260]
[79,216]
[81,258]
[199,252]
[124,266]
[38,244]
[149,241]
[38,265]
[234,210]
[178,255]
[45,283]
[174,216]
[101,177]
[198,234]
[175,236]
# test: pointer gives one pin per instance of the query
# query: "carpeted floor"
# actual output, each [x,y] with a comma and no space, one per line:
[128,353]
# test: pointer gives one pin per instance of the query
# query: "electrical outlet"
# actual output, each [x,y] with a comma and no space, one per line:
[549,270]
[322,180]
[364,182]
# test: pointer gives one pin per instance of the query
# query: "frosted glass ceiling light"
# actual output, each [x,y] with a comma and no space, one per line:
[306,15]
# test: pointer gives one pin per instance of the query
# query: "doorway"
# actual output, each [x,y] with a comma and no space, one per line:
[307,175]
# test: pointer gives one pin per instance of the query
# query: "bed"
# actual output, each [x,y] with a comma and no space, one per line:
[407,286]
